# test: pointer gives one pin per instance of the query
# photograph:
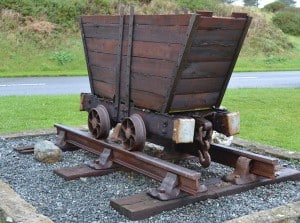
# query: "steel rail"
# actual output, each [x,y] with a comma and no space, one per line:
[260,165]
[188,180]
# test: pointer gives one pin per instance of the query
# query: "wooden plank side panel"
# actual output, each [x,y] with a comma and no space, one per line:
[205,69]
[148,33]
[216,35]
[194,101]
[152,84]
[102,45]
[228,23]
[163,51]
[104,90]
[103,74]
[152,67]
[101,31]
[161,20]
[102,60]
[157,20]
[199,85]
[161,34]
[147,100]
[211,53]
[100,19]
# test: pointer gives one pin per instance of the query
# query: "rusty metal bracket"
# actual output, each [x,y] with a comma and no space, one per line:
[241,175]
[168,189]
[104,161]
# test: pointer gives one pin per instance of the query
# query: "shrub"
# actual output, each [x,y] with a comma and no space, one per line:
[274,7]
[288,22]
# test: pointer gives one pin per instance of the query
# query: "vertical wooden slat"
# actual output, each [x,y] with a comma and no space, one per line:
[86,57]
[128,61]
[184,51]
[119,55]
[234,59]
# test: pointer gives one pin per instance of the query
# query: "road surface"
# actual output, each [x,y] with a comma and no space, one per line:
[76,85]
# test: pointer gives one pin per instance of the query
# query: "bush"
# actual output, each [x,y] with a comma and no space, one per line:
[274,7]
[288,22]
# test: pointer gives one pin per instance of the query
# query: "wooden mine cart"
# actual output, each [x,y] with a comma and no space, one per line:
[163,77]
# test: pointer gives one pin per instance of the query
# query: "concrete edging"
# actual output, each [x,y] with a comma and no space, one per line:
[14,209]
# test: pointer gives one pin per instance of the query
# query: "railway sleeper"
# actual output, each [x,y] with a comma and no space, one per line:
[249,167]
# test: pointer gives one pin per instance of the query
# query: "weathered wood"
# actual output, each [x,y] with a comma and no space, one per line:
[160,34]
[161,68]
[75,172]
[103,74]
[102,60]
[157,20]
[228,23]
[141,206]
[127,83]
[194,101]
[208,36]
[205,69]
[211,53]
[152,50]
[101,32]
[147,100]
[104,90]
[149,83]
[161,53]
[179,67]
[153,67]
[199,85]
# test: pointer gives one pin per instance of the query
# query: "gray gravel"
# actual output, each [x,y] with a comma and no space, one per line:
[87,199]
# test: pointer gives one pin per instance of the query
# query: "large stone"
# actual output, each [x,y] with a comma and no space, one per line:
[47,152]
[220,138]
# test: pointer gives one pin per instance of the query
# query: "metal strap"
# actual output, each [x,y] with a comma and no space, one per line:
[128,64]
[119,61]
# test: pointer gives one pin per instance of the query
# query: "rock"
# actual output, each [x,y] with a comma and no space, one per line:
[220,138]
[45,151]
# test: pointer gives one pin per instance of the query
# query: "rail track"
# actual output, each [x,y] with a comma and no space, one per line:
[179,186]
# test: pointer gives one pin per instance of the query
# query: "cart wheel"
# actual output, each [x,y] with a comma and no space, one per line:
[99,122]
[133,133]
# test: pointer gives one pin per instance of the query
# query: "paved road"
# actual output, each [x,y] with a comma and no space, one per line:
[76,85]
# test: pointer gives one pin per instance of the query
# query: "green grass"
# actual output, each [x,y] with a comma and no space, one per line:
[268,116]
[21,59]
[278,62]
[22,113]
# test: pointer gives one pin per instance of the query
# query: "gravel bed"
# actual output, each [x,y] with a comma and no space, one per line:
[87,199]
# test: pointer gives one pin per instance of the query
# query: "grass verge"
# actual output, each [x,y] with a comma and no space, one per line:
[21,113]
[268,116]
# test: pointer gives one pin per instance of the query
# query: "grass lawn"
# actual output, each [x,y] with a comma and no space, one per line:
[21,113]
[269,116]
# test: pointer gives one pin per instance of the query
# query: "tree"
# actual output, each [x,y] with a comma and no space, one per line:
[251,3]
[274,6]
[288,2]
